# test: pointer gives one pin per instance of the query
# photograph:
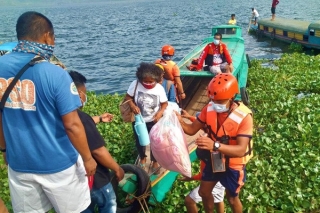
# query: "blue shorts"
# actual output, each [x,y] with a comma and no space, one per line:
[231,179]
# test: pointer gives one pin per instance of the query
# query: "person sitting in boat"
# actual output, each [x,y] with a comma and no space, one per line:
[233,20]
[150,101]
[171,70]
[255,15]
[216,57]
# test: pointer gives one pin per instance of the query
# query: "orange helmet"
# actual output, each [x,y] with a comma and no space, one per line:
[167,50]
[223,86]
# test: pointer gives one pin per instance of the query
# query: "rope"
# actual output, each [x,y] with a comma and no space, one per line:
[142,198]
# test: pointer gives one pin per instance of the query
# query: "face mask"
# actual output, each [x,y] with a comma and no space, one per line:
[216,42]
[219,108]
[148,86]
[84,102]
[167,57]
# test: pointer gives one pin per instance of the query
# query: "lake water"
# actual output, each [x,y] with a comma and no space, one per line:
[107,40]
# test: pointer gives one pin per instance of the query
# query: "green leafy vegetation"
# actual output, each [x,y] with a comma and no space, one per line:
[283,175]
[296,47]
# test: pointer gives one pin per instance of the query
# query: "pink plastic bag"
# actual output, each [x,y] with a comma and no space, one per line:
[169,145]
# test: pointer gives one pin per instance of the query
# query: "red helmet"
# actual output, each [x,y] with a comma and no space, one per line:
[223,86]
[167,50]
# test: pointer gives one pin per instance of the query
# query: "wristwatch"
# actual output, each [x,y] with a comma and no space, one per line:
[3,150]
[216,146]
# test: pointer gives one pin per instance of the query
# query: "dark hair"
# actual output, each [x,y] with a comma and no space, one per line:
[252,9]
[78,78]
[218,34]
[149,70]
[32,25]
[233,14]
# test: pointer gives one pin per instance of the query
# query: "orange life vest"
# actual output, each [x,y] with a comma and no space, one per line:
[168,68]
[209,59]
[229,130]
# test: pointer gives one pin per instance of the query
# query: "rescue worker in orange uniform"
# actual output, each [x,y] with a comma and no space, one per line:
[229,126]
[171,70]
[216,56]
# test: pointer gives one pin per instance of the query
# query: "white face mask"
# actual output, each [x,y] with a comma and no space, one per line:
[84,102]
[216,42]
[219,108]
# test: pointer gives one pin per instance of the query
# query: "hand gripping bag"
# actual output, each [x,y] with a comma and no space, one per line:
[169,145]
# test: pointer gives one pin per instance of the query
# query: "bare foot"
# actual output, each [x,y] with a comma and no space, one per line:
[155,169]
[155,165]
[143,160]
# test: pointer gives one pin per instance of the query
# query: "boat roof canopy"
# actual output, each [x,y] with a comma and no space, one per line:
[227,31]
[290,25]
[315,25]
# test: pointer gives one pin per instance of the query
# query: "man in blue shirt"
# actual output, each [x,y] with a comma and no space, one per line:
[41,135]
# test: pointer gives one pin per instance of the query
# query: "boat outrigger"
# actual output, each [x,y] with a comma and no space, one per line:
[305,33]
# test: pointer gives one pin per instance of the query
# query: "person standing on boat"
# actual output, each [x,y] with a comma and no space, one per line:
[233,20]
[41,133]
[102,193]
[193,197]
[273,9]
[229,127]
[255,15]
[171,70]
[216,56]
[150,101]
[168,87]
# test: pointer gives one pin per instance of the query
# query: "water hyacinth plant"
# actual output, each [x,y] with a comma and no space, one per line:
[283,174]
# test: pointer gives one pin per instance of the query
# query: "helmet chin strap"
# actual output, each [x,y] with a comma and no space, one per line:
[231,103]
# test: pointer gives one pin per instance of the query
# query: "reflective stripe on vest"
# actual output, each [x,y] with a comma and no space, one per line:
[230,128]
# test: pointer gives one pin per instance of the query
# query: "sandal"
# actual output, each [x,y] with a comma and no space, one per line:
[155,171]
[142,165]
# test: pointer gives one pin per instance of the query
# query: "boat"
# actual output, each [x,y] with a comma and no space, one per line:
[141,189]
[7,47]
[232,37]
[301,32]
[142,196]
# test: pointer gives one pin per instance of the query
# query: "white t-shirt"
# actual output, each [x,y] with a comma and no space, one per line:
[255,13]
[148,100]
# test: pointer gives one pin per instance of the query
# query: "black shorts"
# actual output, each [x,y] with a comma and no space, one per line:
[231,179]
[273,10]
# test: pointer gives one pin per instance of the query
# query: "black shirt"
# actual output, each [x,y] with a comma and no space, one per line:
[95,141]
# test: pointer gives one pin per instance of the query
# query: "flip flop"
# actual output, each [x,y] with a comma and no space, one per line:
[142,165]
[155,171]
